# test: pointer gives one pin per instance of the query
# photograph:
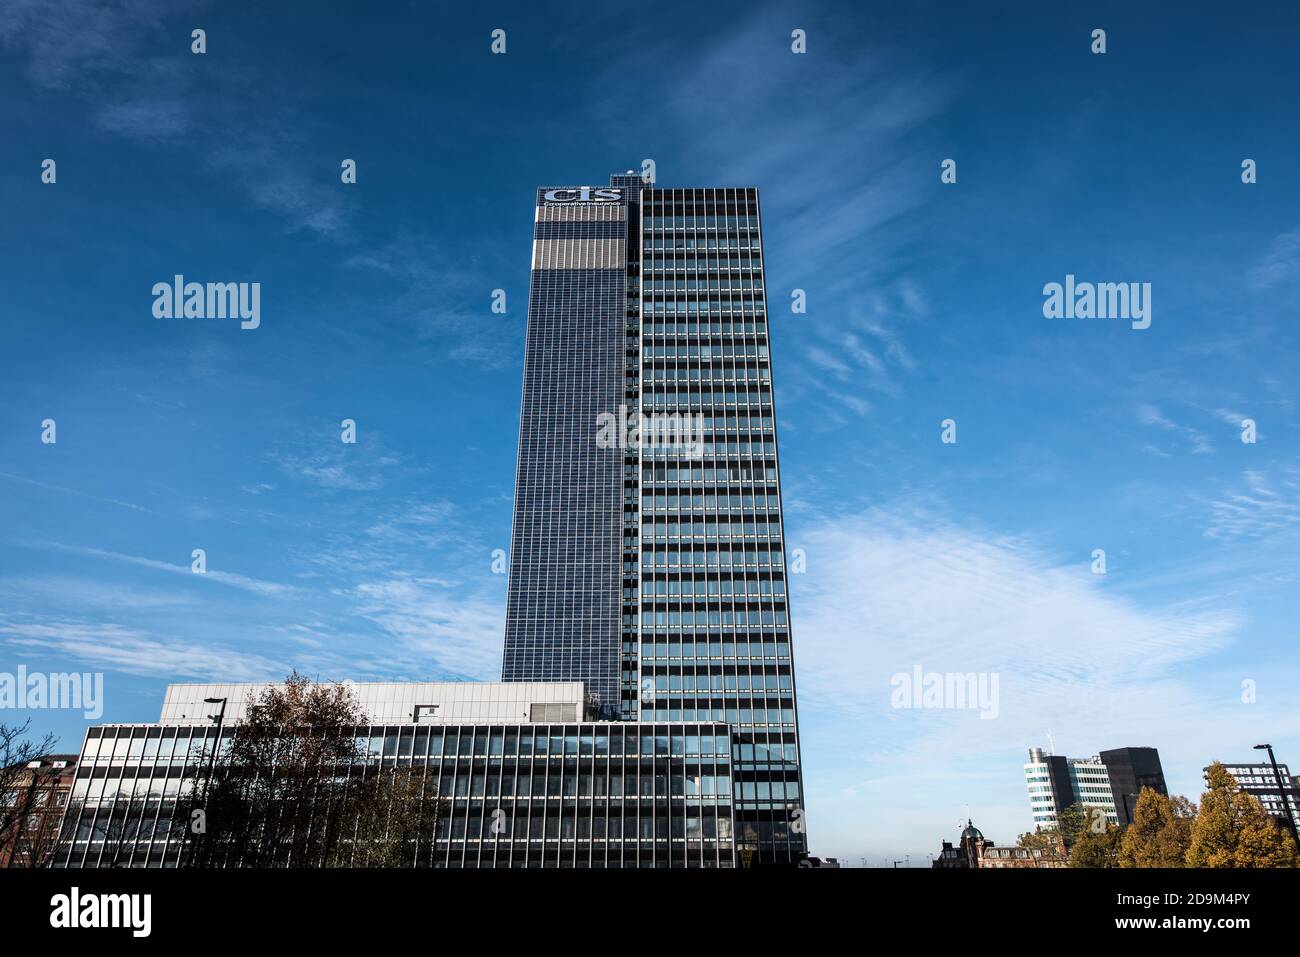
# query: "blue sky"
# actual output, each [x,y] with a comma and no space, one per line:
[925,300]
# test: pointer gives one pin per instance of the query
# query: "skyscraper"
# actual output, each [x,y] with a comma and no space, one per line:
[648,716]
[648,553]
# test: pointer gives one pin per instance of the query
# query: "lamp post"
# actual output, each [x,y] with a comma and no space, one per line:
[219,717]
[1286,799]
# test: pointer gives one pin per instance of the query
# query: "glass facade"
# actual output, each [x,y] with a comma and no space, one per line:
[673,324]
[563,600]
[713,623]
[533,795]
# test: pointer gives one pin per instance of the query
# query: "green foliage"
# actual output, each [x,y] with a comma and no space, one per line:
[1040,840]
[292,791]
[1233,829]
[1071,823]
[1097,849]
[1160,833]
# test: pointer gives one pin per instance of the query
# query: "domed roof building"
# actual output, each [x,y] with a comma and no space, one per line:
[975,850]
[968,851]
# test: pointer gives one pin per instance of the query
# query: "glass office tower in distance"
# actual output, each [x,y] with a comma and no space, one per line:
[655,572]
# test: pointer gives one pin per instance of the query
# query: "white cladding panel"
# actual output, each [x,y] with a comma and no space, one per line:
[395,702]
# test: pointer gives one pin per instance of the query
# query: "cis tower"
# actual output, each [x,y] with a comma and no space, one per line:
[656,575]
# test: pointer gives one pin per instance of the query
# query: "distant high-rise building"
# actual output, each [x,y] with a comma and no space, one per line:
[1056,782]
[648,551]
[1130,770]
[1258,779]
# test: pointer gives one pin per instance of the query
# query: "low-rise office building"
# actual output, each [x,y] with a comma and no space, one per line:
[520,778]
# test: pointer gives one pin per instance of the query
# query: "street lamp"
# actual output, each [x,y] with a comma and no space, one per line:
[219,717]
[1286,798]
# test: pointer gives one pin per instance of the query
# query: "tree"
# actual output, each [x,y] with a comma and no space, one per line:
[1040,840]
[292,790]
[1097,848]
[1233,829]
[396,819]
[1075,820]
[1071,823]
[1160,833]
[25,838]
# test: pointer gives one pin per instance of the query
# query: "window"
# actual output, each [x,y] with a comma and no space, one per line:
[425,713]
[558,711]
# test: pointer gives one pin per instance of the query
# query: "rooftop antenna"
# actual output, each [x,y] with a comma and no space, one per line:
[1051,743]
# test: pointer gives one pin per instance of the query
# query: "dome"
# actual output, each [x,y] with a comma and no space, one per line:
[972,832]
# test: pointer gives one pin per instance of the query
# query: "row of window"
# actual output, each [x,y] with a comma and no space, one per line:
[659,246]
[670,400]
[719,557]
[701,648]
[748,282]
[720,498]
[714,587]
[685,787]
[671,527]
[688,518]
[708,308]
[732,349]
[741,717]
[701,263]
[401,739]
[653,219]
[683,474]
[718,426]
[715,682]
[740,371]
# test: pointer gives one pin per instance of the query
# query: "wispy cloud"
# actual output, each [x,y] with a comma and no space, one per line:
[135,77]
[338,466]
[890,589]
[435,623]
[137,652]
[1263,503]
[1197,440]
[444,295]
[146,119]
[1280,264]
[233,579]
[77,492]
[73,45]
[67,591]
